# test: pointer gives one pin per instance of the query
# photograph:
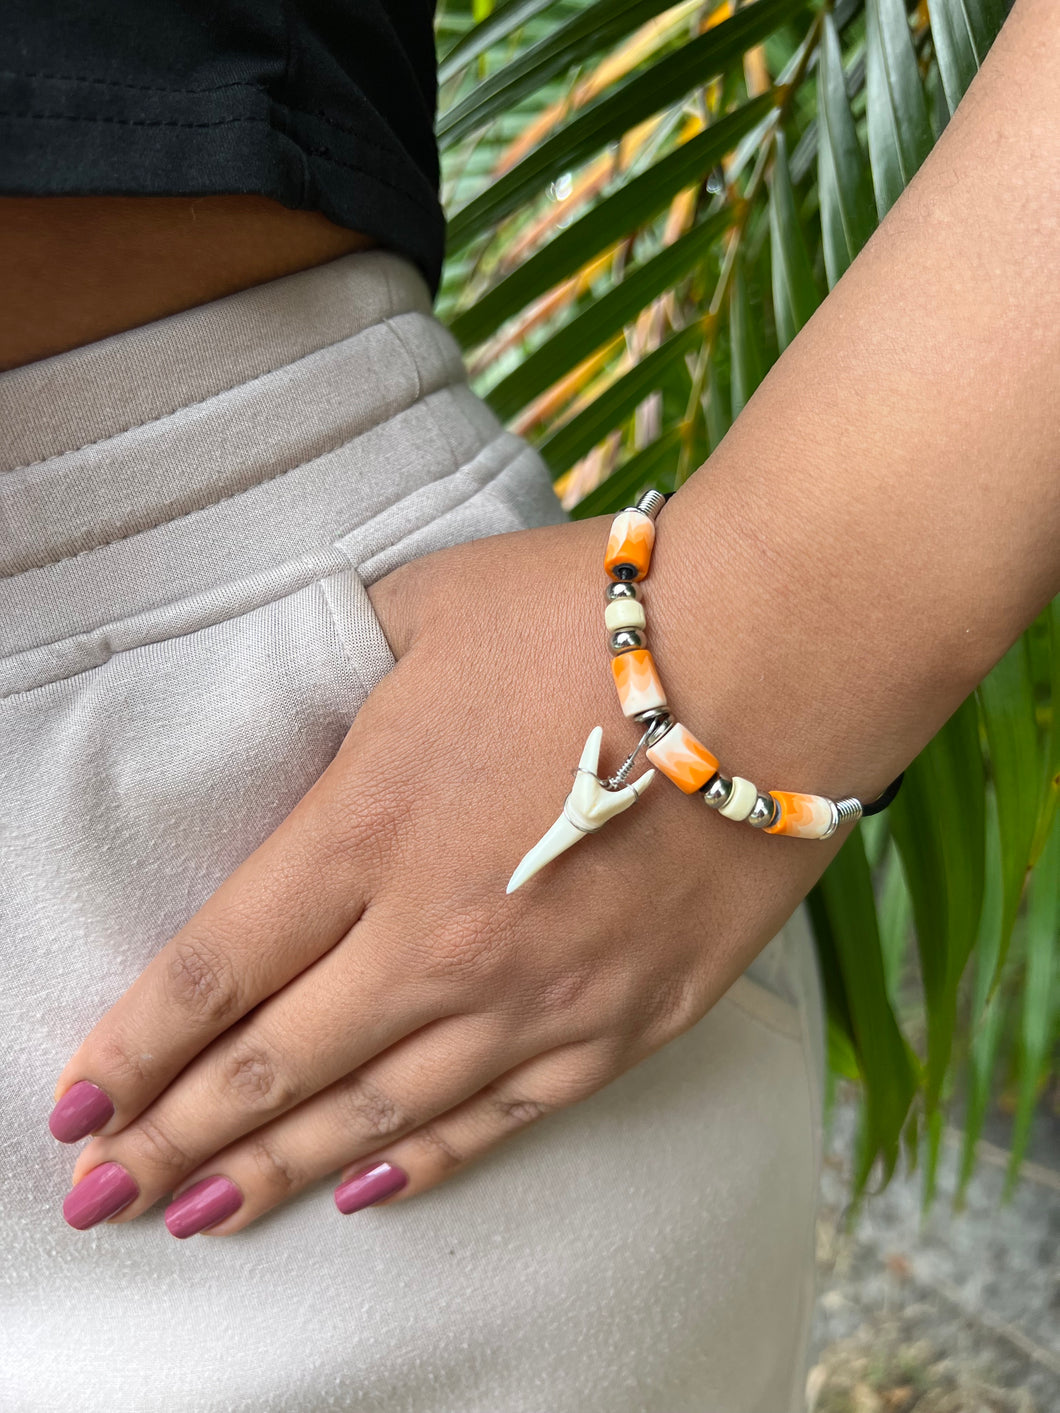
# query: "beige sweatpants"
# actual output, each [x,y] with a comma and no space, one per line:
[189,514]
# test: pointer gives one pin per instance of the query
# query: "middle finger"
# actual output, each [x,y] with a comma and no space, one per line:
[330,1020]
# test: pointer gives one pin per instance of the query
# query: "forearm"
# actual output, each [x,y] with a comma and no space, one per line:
[884,518]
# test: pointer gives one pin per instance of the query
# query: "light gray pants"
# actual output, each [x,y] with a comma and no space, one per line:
[188,516]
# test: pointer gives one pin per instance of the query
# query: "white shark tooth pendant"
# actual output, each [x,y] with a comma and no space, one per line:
[586,809]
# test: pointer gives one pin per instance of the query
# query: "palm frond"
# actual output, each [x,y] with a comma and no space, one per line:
[646,202]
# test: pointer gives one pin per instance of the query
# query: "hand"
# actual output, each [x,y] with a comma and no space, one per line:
[362,991]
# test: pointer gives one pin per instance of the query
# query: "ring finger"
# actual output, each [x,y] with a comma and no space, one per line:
[405,1163]
[397,1091]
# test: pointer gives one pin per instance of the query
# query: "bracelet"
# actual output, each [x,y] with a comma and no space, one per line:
[668,745]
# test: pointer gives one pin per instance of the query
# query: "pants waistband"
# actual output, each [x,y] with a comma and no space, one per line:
[240,439]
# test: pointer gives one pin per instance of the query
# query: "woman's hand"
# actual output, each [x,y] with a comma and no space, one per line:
[362,992]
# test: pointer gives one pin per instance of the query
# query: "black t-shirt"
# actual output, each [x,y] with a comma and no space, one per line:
[320,104]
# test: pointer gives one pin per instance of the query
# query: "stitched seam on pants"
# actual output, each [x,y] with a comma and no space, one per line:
[212,397]
[220,500]
[324,586]
[772,1012]
[222,617]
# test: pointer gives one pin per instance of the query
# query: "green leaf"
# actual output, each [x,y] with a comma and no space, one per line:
[1038,1019]
[611,220]
[845,895]
[1006,700]
[652,466]
[963,31]
[899,131]
[939,826]
[895,909]
[606,316]
[746,366]
[617,402]
[665,83]
[987,1010]
[493,29]
[1049,620]
[587,32]
[716,407]
[795,294]
[848,212]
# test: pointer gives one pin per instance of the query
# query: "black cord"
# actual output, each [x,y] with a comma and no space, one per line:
[882,801]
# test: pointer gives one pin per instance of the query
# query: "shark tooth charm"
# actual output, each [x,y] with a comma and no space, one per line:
[586,809]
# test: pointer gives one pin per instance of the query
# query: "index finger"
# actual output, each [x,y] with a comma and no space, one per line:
[282,908]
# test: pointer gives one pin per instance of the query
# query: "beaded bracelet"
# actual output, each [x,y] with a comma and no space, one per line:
[668,744]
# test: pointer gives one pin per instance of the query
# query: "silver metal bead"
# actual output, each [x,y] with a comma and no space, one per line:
[621,589]
[622,640]
[764,811]
[651,502]
[833,823]
[716,791]
[657,721]
[848,809]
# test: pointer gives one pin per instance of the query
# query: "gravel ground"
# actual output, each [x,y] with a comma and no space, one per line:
[952,1313]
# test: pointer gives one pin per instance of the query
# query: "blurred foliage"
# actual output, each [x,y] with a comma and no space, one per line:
[646,203]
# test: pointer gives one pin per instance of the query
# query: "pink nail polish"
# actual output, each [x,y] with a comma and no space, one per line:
[99,1195]
[368,1186]
[82,1109]
[203,1205]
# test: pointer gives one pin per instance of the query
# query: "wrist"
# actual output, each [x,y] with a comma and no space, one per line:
[787,665]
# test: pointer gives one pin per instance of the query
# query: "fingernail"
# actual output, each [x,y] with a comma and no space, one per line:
[101,1193]
[82,1109]
[203,1205]
[370,1185]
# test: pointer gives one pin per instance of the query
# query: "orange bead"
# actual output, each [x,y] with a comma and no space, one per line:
[637,681]
[801,816]
[630,543]
[683,759]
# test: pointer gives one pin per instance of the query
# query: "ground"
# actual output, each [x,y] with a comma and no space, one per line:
[948,1313]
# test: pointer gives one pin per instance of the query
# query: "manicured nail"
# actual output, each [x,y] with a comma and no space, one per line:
[99,1194]
[203,1205]
[368,1186]
[82,1109]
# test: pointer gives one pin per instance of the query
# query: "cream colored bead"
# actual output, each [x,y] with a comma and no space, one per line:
[624,613]
[742,799]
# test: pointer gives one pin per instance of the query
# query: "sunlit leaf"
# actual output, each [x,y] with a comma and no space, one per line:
[632,204]
[606,316]
[666,82]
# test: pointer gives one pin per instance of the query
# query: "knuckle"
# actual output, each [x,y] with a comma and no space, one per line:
[160,1147]
[467,945]
[672,1007]
[258,1079]
[360,821]
[372,1113]
[516,1112]
[441,1150]
[275,1172]
[562,993]
[202,983]
[129,1066]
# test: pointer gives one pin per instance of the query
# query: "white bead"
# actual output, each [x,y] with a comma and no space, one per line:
[624,613]
[742,799]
